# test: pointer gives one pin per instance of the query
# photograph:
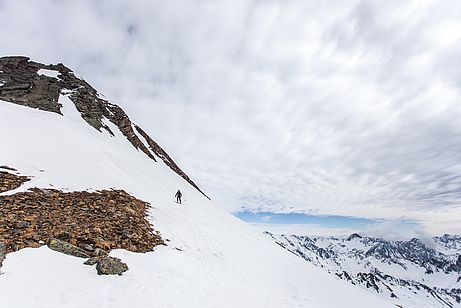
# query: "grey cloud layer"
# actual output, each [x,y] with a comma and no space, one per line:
[328,107]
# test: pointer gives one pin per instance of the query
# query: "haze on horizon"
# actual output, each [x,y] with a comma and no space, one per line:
[346,108]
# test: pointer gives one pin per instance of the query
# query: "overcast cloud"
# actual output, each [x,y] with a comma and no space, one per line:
[322,107]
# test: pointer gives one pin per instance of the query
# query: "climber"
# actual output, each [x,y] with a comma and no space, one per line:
[178,196]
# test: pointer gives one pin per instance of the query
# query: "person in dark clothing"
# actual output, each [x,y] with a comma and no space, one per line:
[178,196]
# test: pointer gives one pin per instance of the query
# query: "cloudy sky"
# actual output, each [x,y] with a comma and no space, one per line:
[342,108]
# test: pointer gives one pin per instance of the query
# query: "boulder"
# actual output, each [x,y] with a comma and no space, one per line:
[87,247]
[100,252]
[67,248]
[92,261]
[110,266]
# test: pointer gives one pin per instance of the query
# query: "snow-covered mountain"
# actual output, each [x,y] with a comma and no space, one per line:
[409,273]
[73,166]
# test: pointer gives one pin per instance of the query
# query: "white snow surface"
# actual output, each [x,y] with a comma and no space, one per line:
[49,73]
[212,258]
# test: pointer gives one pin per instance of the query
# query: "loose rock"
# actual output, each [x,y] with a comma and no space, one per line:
[92,261]
[95,222]
[9,181]
[66,248]
[110,266]
[2,254]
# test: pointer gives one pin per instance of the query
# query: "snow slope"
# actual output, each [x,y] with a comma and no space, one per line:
[212,258]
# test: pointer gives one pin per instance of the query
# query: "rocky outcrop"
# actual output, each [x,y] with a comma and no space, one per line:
[66,248]
[91,221]
[21,84]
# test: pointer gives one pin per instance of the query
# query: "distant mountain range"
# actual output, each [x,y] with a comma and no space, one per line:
[409,273]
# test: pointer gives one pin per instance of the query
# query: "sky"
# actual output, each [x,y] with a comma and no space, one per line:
[318,108]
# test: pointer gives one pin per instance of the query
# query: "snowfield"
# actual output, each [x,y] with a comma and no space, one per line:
[212,258]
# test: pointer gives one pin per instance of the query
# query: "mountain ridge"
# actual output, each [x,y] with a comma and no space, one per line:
[211,258]
[21,83]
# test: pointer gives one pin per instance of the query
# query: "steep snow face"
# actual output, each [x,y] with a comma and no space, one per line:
[406,272]
[212,258]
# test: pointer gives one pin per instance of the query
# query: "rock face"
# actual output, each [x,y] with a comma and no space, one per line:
[66,248]
[21,83]
[110,266]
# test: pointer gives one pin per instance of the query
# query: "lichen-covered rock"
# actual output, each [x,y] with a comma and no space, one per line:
[92,261]
[100,252]
[110,266]
[66,248]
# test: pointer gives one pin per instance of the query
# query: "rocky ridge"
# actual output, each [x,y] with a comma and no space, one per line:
[22,83]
